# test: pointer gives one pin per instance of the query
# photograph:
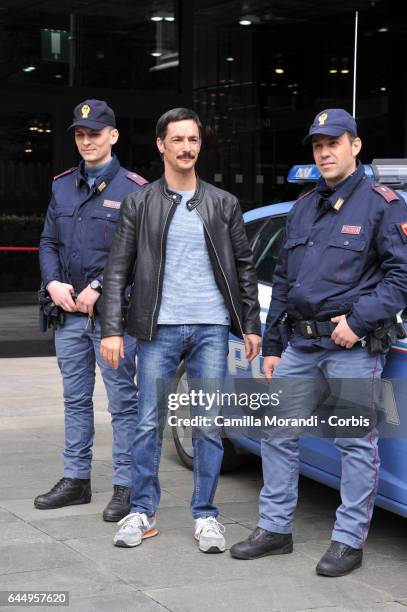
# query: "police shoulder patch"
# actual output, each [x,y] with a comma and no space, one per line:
[136,178]
[64,173]
[403,227]
[304,195]
[388,194]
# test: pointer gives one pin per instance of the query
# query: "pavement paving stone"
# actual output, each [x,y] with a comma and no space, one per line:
[7,517]
[82,579]
[18,532]
[18,442]
[386,552]
[242,512]
[391,577]
[171,463]
[383,606]
[130,602]
[275,592]
[50,406]
[69,527]
[36,555]
[33,424]
[225,481]
[133,601]
[228,490]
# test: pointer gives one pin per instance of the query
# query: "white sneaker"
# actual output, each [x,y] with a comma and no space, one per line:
[134,528]
[209,534]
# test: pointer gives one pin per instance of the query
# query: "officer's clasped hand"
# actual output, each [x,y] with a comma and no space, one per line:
[61,294]
[342,334]
[86,301]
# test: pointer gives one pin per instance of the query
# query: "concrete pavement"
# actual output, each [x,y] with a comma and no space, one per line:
[71,548]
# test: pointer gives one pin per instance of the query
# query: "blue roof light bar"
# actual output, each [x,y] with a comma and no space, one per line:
[309,173]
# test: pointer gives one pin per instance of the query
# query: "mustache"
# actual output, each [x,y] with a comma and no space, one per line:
[186,156]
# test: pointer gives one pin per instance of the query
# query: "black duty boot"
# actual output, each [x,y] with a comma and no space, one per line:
[261,543]
[119,505]
[339,559]
[66,492]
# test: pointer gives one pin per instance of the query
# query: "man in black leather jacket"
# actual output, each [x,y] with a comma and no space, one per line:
[193,280]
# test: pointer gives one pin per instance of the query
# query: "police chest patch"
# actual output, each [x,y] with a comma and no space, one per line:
[111,204]
[351,229]
[403,227]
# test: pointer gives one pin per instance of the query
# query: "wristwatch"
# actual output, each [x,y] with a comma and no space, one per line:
[96,285]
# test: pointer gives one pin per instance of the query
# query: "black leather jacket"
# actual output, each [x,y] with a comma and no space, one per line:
[139,248]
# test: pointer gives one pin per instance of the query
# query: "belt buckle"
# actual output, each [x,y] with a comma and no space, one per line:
[309,330]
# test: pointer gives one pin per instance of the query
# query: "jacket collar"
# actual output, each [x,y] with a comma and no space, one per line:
[102,181]
[338,195]
[173,196]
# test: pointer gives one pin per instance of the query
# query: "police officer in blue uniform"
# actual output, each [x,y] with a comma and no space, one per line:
[342,271]
[78,231]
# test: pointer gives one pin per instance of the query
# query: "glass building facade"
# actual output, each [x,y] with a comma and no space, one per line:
[256,71]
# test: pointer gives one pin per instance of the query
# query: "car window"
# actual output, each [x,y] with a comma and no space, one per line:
[252,228]
[266,247]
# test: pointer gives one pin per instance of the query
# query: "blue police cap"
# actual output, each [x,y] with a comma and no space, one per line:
[332,122]
[94,114]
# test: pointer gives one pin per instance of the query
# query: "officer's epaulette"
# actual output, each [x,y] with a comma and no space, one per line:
[388,194]
[136,178]
[64,173]
[303,195]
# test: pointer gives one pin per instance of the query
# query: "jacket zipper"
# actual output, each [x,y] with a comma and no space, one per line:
[221,269]
[159,272]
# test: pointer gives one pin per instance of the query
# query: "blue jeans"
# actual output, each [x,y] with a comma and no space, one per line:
[78,351]
[204,348]
[360,456]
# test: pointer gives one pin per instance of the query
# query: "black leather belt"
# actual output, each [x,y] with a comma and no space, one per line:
[313,329]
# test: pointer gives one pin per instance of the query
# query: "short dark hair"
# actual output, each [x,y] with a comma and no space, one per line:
[173,115]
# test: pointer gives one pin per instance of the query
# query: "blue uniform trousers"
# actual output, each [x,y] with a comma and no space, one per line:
[360,458]
[78,351]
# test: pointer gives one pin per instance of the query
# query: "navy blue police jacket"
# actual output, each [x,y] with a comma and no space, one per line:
[345,252]
[80,223]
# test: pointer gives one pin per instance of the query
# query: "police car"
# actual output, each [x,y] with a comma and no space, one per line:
[320,460]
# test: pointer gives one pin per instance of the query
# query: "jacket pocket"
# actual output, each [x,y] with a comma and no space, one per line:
[64,220]
[295,248]
[290,243]
[102,226]
[344,259]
